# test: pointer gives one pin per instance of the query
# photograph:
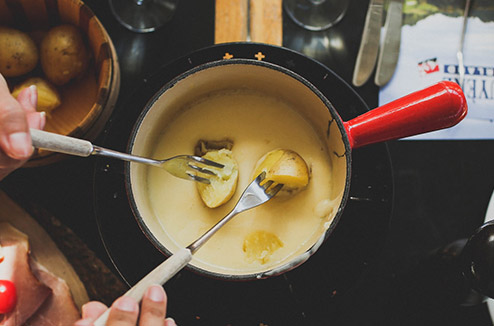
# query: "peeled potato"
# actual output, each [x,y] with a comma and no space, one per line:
[48,96]
[18,53]
[222,186]
[63,54]
[260,245]
[286,167]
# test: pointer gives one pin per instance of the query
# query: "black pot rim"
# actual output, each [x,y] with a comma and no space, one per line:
[336,118]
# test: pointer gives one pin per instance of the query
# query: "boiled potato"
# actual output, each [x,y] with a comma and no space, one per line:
[204,146]
[63,54]
[260,245]
[284,166]
[48,96]
[224,184]
[18,53]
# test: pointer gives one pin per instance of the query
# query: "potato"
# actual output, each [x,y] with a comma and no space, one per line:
[63,54]
[222,186]
[18,53]
[48,96]
[284,166]
[260,245]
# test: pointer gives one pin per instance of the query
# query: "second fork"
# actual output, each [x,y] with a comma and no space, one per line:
[187,167]
[256,193]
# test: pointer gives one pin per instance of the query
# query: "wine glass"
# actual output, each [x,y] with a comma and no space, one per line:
[316,15]
[143,16]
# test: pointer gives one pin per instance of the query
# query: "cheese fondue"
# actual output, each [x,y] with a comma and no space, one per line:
[257,124]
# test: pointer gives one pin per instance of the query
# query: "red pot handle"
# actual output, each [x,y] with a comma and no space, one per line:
[439,106]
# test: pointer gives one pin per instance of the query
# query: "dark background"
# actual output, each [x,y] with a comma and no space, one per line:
[441,188]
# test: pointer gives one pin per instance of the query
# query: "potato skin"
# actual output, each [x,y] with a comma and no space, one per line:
[18,53]
[63,54]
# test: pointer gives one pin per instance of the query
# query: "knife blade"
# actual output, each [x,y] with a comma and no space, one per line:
[459,54]
[390,47]
[369,45]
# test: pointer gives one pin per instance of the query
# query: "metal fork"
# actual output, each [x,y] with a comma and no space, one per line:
[183,166]
[257,193]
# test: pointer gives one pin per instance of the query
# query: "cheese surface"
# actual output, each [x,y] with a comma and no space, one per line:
[257,124]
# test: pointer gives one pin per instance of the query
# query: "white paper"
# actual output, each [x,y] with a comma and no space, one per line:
[428,55]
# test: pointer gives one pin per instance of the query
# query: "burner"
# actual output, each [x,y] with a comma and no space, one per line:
[309,293]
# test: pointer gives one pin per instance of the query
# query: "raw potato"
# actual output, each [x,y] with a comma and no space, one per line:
[63,54]
[48,96]
[286,167]
[18,53]
[222,186]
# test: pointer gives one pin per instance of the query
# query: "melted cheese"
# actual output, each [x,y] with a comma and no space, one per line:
[257,124]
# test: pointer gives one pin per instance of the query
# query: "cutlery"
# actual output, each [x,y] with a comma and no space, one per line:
[369,45]
[257,193]
[459,54]
[182,166]
[390,48]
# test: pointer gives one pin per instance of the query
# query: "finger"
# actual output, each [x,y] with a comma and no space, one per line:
[84,322]
[153,307]
[3,86]
[36,120]
[92,310]
[124,312]
[15,140]
[28,98]
[170,322]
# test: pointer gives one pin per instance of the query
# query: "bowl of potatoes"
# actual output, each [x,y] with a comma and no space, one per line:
[62,48]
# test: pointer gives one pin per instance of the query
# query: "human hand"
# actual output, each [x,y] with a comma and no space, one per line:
[125,310]
[16,117]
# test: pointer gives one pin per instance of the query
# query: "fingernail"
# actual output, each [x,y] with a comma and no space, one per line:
[170,322]
[33,96]
[20,145]
[156,293]
[83,322]
[126,304]
[42,120]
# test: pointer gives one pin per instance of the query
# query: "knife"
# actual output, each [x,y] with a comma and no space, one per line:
[459,54]
[369,45]
[390,47]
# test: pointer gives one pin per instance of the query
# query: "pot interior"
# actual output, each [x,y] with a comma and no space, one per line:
[260,107]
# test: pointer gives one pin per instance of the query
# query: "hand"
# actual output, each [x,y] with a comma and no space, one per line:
[16,117]
[125,310]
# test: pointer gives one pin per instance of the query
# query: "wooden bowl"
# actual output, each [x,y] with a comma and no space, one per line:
[87,102]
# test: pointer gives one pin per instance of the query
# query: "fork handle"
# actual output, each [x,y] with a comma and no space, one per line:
[61,144]
[160,275]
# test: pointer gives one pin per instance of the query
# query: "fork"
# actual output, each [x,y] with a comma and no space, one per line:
[257,193]
[188,167]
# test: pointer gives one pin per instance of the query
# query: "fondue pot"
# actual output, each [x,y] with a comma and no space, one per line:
[439,106]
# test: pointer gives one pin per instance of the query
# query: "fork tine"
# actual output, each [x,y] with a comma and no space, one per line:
[273,191]
[205,161]
[261,177]
[198,178]
[267,184]
[200,170]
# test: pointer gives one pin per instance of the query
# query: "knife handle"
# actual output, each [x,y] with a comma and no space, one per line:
[439,106]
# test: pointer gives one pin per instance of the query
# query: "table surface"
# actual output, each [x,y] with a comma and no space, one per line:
[441,188]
